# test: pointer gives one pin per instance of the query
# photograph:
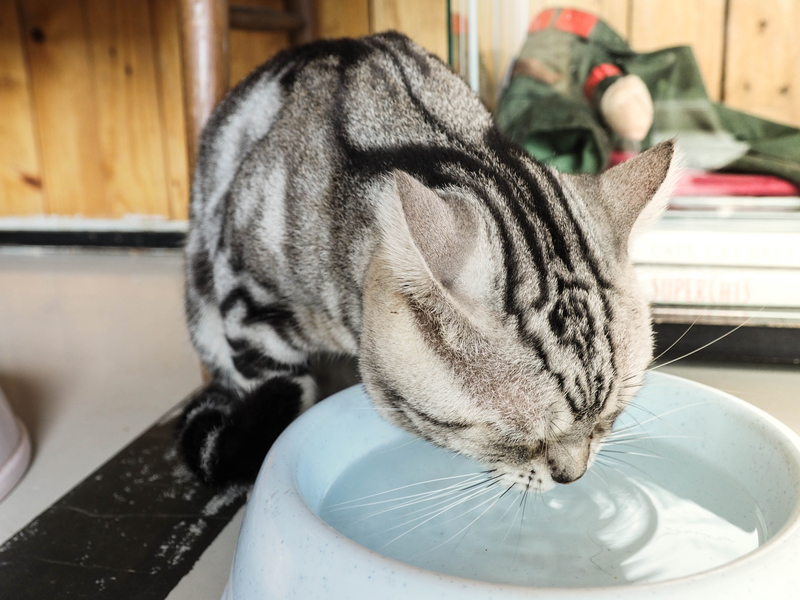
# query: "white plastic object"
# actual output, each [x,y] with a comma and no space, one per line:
[286,551]
[15,448]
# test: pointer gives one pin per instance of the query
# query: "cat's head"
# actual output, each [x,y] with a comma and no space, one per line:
[509,327]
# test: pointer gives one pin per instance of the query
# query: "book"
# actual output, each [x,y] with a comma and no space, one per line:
[720,286]
[727,316]
[770,241]
[709,247]
[734,206]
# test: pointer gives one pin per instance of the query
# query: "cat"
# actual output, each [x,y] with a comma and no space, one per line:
[354,197]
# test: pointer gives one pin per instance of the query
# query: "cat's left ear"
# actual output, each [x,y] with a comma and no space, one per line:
[429,237]
[631,195]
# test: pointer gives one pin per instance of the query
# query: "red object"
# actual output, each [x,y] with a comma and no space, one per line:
[575,21]
[598,74]
[570,20]
[455,24]
[701,183]
[542,20]
[698,183]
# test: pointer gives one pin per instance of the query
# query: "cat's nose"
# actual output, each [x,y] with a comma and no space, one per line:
[568,462]
[567,475]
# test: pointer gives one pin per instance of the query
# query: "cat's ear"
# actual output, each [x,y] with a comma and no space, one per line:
[632,195]
[638,190]
[428,237]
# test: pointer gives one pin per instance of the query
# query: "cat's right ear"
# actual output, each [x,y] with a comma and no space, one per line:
[632,195]
[637,191]
[428,237]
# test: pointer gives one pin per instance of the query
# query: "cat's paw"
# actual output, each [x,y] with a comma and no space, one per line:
[224,437]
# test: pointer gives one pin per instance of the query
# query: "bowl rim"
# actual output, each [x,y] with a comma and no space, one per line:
[790,440]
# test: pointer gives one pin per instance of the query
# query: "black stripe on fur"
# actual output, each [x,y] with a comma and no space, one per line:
[276,315]
[252,363]
[202,273]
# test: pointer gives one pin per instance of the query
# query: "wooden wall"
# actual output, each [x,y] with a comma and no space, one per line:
[91,116]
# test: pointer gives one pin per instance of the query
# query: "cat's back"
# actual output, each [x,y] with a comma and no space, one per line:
[316,107]
[293,161]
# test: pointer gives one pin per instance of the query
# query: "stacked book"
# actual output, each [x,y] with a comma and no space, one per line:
[724,259]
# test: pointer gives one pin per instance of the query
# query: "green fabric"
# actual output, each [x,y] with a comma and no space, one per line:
[560,127]
[557,130]
[774,148]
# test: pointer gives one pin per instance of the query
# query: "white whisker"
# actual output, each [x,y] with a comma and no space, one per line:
[672,345]
[464,529]
[661,416]
[410,485]
[516,514]
[714,341]
[447,493]
[645,455]
[430,518]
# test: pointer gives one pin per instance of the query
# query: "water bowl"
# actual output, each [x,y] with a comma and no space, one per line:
[696,495]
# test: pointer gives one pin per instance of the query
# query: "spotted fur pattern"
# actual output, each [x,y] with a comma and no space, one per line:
[354,197]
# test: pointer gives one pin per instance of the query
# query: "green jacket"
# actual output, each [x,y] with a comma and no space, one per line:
[549,109]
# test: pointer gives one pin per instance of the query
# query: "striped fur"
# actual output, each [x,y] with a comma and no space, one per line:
[354,197]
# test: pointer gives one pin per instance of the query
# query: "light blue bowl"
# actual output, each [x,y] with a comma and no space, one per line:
[711,452]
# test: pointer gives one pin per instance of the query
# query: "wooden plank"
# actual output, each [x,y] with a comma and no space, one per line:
[659,24]
[261,18]
[343,18]
[66,112]
[128,119]
[164,16]
[307,11]
[20,174]
[424,21]
[249,49]
[762,67]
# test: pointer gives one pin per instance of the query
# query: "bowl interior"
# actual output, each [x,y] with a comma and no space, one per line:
[693,479]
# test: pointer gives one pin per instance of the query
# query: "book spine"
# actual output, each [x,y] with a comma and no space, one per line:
[709,286]
[717,248]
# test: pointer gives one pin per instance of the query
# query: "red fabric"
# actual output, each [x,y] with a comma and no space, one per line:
[542,20]
[700,183]
[575,21]
[733,184]
[597,75]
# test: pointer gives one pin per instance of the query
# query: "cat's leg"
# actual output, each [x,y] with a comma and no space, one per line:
[261,383]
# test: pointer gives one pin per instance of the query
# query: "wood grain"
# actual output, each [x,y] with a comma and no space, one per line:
[762,68]
[164,18]
[128,119]
[20,174]
[659,24]
[248,49]
[261,18]
[343,18]
[56,38]
[424,21]
[306,10]
[88,132]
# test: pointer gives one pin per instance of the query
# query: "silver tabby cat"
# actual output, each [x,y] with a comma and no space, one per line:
[354,197]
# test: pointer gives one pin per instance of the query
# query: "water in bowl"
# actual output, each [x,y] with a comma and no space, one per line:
[642,516]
